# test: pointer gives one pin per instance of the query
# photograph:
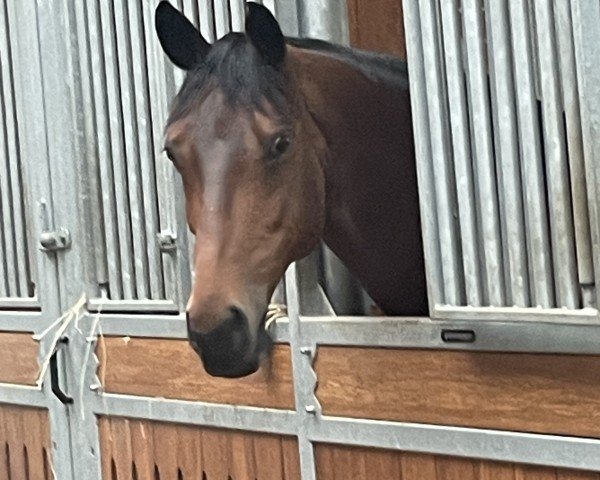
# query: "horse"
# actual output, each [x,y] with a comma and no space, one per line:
[283,143]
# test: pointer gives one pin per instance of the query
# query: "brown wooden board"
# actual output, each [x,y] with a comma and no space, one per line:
[18,358]
[24,443]
[377,25]
[164,451]
[171,369]
[335,462]
[557,394]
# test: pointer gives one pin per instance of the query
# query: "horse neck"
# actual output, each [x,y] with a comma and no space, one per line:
[371,189]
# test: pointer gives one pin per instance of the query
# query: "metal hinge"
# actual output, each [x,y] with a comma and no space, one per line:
[167,241]
[56,240]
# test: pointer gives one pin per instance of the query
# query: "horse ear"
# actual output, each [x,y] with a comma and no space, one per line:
[265,33]
[180,40]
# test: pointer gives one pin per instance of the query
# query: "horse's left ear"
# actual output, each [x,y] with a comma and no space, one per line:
[265,33]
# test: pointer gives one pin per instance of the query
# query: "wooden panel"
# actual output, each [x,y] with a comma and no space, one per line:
[377,25]
[163,451]
[24,443]
[18,358]
[524,392]
[171,369]
[335,462]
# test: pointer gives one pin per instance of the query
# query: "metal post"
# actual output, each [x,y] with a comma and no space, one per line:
[324,19]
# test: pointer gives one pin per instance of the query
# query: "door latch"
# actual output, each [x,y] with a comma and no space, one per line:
[167,241]
[56,240]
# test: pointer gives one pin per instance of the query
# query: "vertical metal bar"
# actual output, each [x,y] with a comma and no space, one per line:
[463,171]
[121,211]
[304,376]
[507,154]
[559,195]
[441,157]
[586,15]
[103,145]
[6,201]
[568,79]
[221,18]
[95,250]
[14,159]
[287,16]
[271,5]
[534,200]
[483,154]
[146,150]
[190,9]
[238,15]
[207,26]
[421,132]
[324,19]
[132,152]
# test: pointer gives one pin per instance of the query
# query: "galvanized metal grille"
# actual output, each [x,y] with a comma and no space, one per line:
[16,279]
[500,155]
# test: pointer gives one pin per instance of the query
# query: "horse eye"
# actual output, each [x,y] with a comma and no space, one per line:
[279,146]
[170,156]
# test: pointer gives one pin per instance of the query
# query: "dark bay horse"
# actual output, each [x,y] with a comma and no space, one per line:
[282,143]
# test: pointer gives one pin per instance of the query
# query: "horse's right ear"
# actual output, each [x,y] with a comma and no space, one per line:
[180,40]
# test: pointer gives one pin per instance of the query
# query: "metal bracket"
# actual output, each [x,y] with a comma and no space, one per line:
[53,241]
[167,241]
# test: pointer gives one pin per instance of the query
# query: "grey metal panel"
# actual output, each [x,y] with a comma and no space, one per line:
[441,156]
[507,154]
[146,154]
[421,132]
[534,196]
[463,171]
[323,19]
[585,15]
[103,145]
[287,16]
[22,395]
[130,159]
[578,184]
[238,15]
[122,209]
[483,154]
[561,218]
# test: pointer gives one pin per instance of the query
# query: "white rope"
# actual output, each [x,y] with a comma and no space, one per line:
[73,313]
[274,313]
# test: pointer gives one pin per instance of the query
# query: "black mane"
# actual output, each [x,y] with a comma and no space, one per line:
[246,79]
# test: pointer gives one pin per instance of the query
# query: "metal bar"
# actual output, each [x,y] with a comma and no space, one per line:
[221,16]
[238,15]
[421,133]
[131,159]
[102,138]
[9,254]
[11,321]
[146,151]
[14,159]
[11,303]
[518,314]
[282,422]
[190,10]
[207,26]
[155,306]
[559,195]
[578,184]
[507,153]
[22,395]
[286,12]
[121,212]
[305,379]
[585,15]
[528,448]
[325,20]
[483,153]
[534,201]
[441,157]
[95,248]
[272,6]
[463,171]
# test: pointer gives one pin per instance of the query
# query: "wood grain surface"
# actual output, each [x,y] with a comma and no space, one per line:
[377,25]
[171,369]
[336,462]
[24,443]
[18,358]
[558,394]
[163,451]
